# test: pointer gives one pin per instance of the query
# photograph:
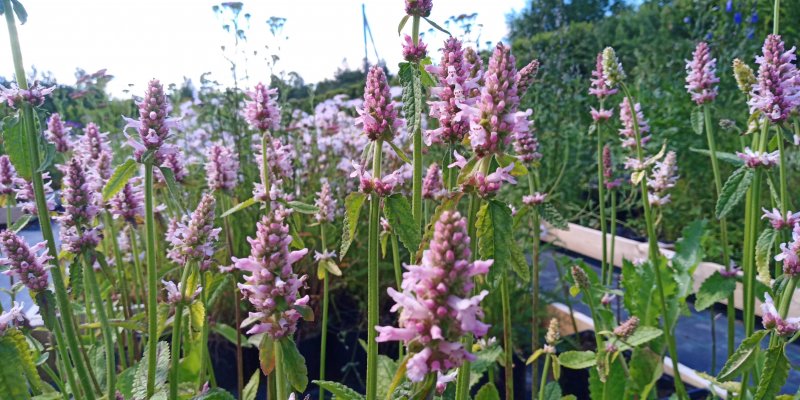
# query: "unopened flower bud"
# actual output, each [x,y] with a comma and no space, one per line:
[745,78]
[627,328]
[580,277]
[553,332]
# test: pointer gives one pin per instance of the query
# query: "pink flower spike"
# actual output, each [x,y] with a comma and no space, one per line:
[756,159]
[777,91]
[778,221]
[701,75]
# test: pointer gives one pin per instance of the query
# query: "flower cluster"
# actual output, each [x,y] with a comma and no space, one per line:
[534,199]
[436,308]
[279,166]
[23,261]
[128,203]
[153,125]
[627,328]
[381,186]
[81,206]
[414,52]
[378,116]
[484,185]
[777,91]
[271,284]
[526,145]
[526,75]
[756,159]
[432,187]
[96,154]
[745,78]
[419,8]
[175,292]
[790,253]
[8,176]
[627,132]
[14,96]
[326,204]
[262,111]
[58,134]
[608,170]
[193,237]
[701,75]
[778,221]
[455,87]
[599,84]
[16,317]
[222,167]
[664,176]
[175,162]
[26,199]
[612,68]
[552,336]
[773,320]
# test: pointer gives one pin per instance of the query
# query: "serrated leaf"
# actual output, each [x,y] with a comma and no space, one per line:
[577,359]
[733,191]
[197,315]
[642,335]
[21,223]
[697,120]
[519,262]
[76,279]
[729,158]
[488,392]
[742,358]
[645,369]
[266,355]
[387,368]
[239,207]
[339,390]
[331,267]
[424,76]
[251,389]
[352,210]
[172,186]
[715,288]
[505,160]
[303,208]
[614,385]
[763,254]
[775,372]
[46,301]
[17,144]
[411,96]
[494,224]
[214,394]
[552,216]
[398,212]
[294,365]
[688,254]
[11,376]
[122,174]
[139,390]
[49,152]
[552,391]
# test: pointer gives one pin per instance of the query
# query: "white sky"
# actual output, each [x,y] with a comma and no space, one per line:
[169,39]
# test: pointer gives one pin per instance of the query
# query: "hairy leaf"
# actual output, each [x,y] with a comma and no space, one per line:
[122,174]
[744,356]
[295,365]
[21,223]
[733,191]
[398,212]
[729,158]
[496,239]
[550,214]
[266,355]
[715,288]
[11,376]
[241,206]
[229,333]
[162,369]
[645,369]
[352,210]
[488,392]
[775,373]
[17,141]
[303,208]
[339,390]
[688,253]
[763,254]
[577,359]
[697,120]
[172,186]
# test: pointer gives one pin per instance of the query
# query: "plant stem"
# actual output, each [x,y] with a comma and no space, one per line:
[601,200]
[325,299]
[613,232]
[123,282]
[776,17]
[105,327]
[177,321]
[280,385]
[372,279]
[462,382]
[655,254]
[507,340]
[532,187]
[416,200]
[62,300]
[226,223]
[152,299]
[543,383]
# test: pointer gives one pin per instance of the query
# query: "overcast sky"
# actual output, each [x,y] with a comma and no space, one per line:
[171,39]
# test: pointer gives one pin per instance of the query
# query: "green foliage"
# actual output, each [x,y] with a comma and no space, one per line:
[352,210]
[122,174]
[496,239]
[715,288]
[339,390]
[398,212]
[645,368]
[251,389]
[139,390]
[488,392]
[294,365]
[577,359]
[10,374]
[744,357]
[775,373]
[241,206]
[550,214]
[764,247]
[17,141]
[614,385]
[214,394]
[734,190]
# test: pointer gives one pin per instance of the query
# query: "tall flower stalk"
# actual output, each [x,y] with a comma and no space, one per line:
[66,332]
[326,206]
[615,75]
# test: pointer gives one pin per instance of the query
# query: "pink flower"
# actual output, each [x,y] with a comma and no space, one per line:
[526,75]
[261,110]
[436,307]
[454,88]
[222,167]
[8,176]
[58,134]
[128,204]
[34,95]
[777,91]
[778,221]
[414,52]
[175,162]
[526,145]
[381,186]
[601,114]
[773,320]
[271,284]
[26,198]
[23,262]
[535,199]
[701,75]
[627,132]
[175,292]
[663,177]
[432,184]
[378,118]
[81,203]
[419,8]
[193,238]
[599,87]
[790,253]
[16,317]
[153,126]
[459,162]
[326,204]
[756,159]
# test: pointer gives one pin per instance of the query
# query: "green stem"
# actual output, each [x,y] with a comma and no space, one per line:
[416,200]
[507,340]
[372,279]
[535,239]
[62,300]
[777,16]
[105,327]
[177,321]
[613,232]
[601,200]
[123,282]
[655,254]
[398,276]
[325,299]
[226,223]
[280,385]
[152,299]
[543,383]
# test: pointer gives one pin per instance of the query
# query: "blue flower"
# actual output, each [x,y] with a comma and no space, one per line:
[709,36]
[754,17]
[737,18]
[729,6]
[687,20]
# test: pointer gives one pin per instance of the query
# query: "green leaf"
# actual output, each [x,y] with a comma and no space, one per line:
[697,120]
[398,212]
[488,392]
[22,15]
[400,153]
[241,206]
[552,216]
[409,80]
[645,369]
[496,239]
[17,143]
[197,318]
[228,332]
[577,359]
[76,279]
[303,208]
[734,387]
[11,376]
[484,359]
[47,304]
[763,254]
[339,390]
[775,372]
[251,389]
[733,191]
[729,158]
[505,160]
[162,369]
[744,356]
[352,210]
[213,394]
[614,385]
[435,25]
[552,391]
[642,335]
[122,174]
[21,223]
[715,288]
[387,368]
[49,151]
[25,360]
[402,24]
[266,355]
[688,254]
[295,365]
[331,267]
[172,186]
[425,77]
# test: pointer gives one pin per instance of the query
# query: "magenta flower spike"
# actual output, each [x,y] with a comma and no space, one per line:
[8,176]
[432,184]
[759,159]
[773,320]
[414,52]
[663,177]
[153,126]
[778,220]
[378,116]
[526,145]
[599,84]
[81,206]
[23,262]
[455,87]
[26,199]
[419,8]
[701,75]
[627,132]
[14,96]
[58,134]
[95,151]
[436,306]
[222,168]
[261,110]
[174,161]
[777,91]
[790,253]
[326,204]
[128,204]
[192,238]
[526,76]
[272,285]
